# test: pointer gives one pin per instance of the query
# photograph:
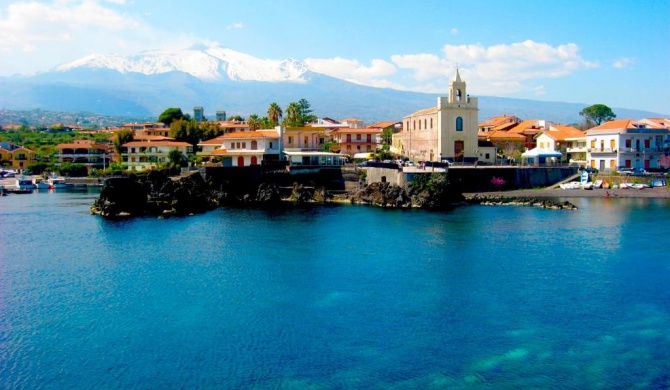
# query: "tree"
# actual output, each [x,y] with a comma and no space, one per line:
[186,131]
[274,113]
[387,136]
[175,156]
[306,111]
[170,115]
[121,137]
[293,115]
[209,130]
[236,118]
[598,113]
[254,122]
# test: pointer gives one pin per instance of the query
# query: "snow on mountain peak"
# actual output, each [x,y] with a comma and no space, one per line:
[207,63]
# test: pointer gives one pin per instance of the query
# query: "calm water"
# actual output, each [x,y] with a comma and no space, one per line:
[335,297]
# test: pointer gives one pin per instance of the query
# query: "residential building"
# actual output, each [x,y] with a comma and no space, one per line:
[498,123]
[352,141]
[445,132]
[220,116]
[16,157]
[144,155]
[626,143]
[240,149]
[233,126]
[87,152]
[530,129]
[556,139]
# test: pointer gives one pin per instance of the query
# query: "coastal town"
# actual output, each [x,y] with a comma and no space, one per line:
[448,135]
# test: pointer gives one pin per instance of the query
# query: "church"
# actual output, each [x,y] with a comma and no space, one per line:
[445,132]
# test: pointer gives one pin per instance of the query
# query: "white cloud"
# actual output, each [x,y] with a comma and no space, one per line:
[505,69]
[624,63]
[353,70]
[27,25]
[235,26]
[454,31]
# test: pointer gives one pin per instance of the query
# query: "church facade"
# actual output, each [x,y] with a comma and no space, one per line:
[445,132]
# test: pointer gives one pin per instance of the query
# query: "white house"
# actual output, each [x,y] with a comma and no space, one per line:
[142,155]
[244,148]
[626,143]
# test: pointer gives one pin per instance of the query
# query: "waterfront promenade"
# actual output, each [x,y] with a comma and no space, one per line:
[658,192]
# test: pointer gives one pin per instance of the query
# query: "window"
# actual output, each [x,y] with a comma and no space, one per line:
[612,144]
[629,143]
[271,145]
[593,146]
[414,125]
[358,137]
[369,138]
[431,123]
[290,140]
[459,124]
[425,123]
[419,124]
[244,145]
[306,140]
[232,145]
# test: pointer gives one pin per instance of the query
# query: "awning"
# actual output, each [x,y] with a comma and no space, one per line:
[366,156]
[535,152]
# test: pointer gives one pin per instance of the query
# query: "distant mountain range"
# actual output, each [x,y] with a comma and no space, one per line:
[216,78]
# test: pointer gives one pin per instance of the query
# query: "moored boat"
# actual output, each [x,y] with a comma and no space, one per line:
[40,184]
[57,182]
[24,184]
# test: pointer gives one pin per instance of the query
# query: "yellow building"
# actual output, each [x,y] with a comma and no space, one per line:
[18,158]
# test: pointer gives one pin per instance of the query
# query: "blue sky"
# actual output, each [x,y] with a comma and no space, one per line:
[613,52]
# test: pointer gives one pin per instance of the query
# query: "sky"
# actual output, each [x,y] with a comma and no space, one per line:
[614,52]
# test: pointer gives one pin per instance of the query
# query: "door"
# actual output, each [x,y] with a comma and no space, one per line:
[602,165]
[459,146]
[240,161]
[254,160]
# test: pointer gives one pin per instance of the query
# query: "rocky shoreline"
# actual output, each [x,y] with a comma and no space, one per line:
[157,194]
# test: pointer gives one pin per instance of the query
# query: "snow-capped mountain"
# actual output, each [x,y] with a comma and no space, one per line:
[212,63]
[217,78]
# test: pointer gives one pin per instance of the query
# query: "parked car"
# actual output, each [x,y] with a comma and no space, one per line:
[626,171]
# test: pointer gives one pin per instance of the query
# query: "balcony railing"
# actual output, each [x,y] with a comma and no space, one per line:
[641,150]
[576,150]
[602,150]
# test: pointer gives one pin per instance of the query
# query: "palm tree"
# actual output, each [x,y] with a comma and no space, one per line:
[293,115]
[274,113]
[254,122]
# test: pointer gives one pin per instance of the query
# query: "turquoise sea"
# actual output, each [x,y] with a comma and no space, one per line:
[335,297]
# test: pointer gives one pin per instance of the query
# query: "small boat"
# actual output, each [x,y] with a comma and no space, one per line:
[40,184]
[573,185]
[658,183]
[24,183]
[56,182]
[598,184]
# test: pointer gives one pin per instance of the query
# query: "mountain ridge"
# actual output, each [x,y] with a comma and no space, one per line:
[217,78]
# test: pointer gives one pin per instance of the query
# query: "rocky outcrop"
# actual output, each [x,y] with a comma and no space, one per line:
[435,194]
[156,194]
[498,200]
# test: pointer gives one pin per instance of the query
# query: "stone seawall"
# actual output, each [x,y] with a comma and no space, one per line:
[478,179]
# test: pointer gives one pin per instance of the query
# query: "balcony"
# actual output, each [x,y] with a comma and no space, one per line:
[579,149]
[601,150]
[642,150]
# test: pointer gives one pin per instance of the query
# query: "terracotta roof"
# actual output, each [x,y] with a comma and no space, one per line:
[156,143]
[562,132]
[498,120]
[661,122]
[526,126]
[383,125]
[250,134]
[625,124]
[214,141]
[503,135]
[359,131]
[504,126]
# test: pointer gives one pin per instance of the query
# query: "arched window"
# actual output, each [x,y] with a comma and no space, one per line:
[431,123]
[425,123]
[459,124]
